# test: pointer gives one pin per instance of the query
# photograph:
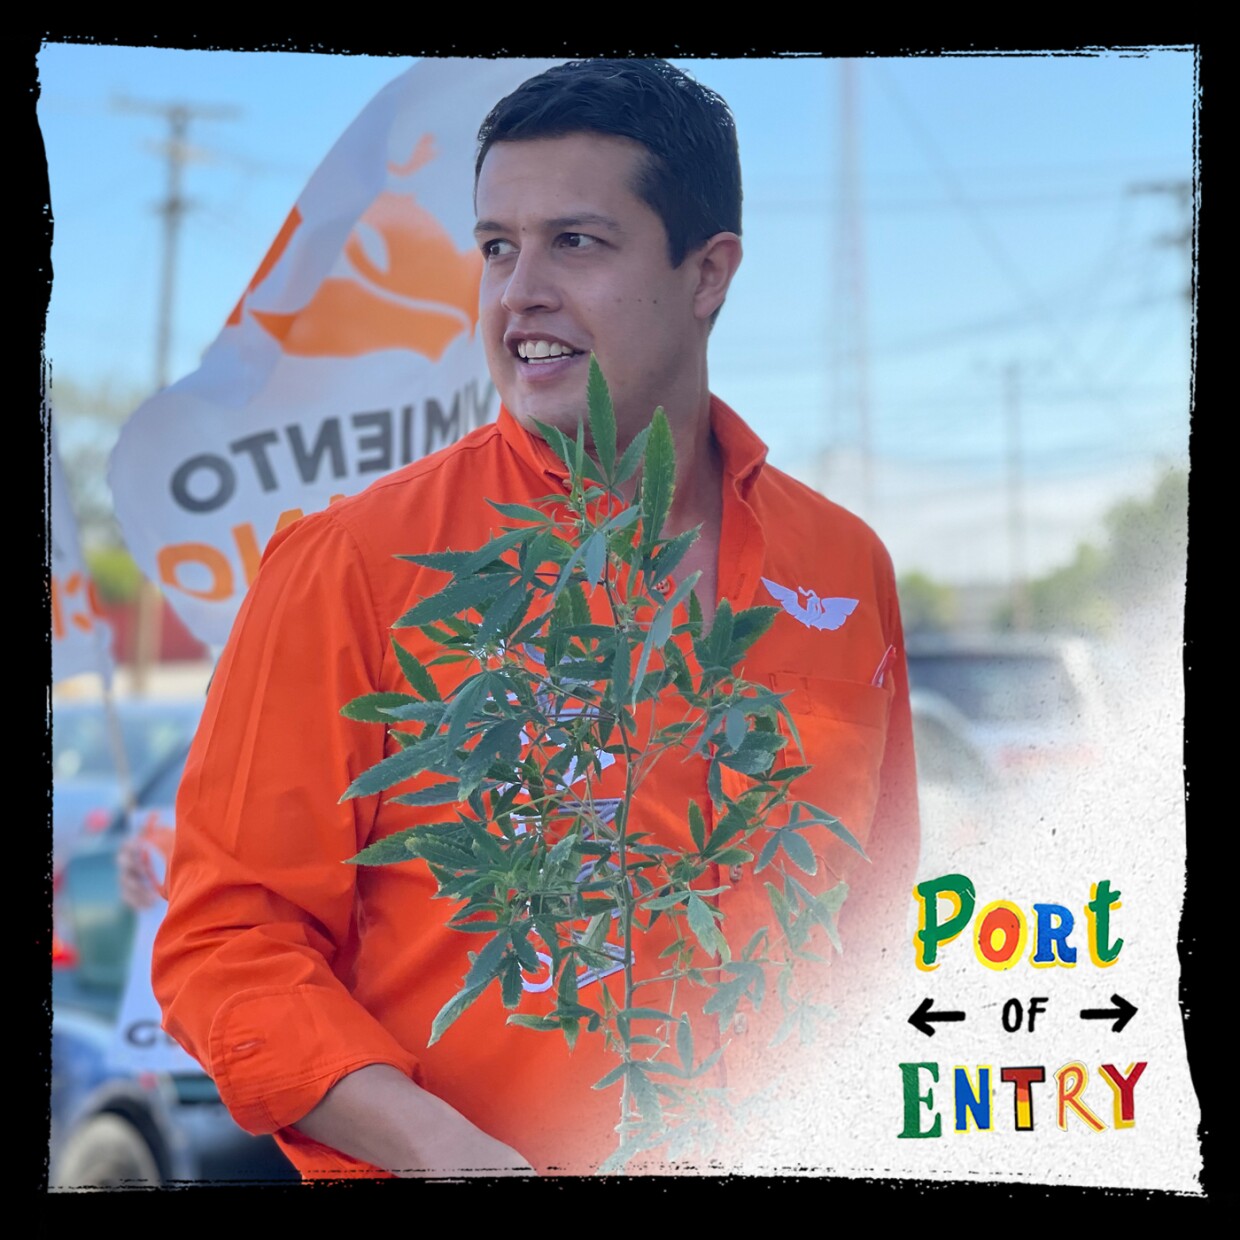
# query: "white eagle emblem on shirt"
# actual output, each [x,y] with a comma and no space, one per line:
[815,612]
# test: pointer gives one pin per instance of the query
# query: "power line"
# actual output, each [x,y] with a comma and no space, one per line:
[991,243]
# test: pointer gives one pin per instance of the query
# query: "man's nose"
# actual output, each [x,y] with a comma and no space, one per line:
[530,285]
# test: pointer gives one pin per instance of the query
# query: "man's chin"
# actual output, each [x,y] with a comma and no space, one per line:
[566,420]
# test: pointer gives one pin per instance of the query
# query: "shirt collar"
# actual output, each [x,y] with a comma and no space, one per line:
[743,452]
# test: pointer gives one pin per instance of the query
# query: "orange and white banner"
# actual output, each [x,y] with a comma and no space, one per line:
[81,638]
[352,352]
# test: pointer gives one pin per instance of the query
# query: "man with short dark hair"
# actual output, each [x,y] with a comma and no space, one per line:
[608,201]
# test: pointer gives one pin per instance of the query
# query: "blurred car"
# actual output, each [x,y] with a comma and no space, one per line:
[946,754]
[958,789]
[111,1128]
[1033,703]
[86,788]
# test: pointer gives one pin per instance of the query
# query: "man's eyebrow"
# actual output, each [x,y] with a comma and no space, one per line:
[585,219]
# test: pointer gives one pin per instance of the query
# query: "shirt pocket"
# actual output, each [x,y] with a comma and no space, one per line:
[842,727]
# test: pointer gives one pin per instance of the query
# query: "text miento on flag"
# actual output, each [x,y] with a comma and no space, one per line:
[352,352]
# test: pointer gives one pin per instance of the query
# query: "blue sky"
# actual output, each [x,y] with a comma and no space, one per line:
[1008,250]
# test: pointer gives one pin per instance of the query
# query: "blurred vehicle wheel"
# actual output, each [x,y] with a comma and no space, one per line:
[106,1152]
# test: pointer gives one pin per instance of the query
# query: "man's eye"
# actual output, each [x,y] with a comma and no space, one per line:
[497,248]
[577,241]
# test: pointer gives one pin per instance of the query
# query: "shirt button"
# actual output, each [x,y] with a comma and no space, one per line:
[741,1023]
[735,873]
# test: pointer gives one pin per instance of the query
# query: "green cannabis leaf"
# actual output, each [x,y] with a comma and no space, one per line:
[567,637]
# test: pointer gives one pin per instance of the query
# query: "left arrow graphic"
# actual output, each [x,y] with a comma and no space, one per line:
[921,1018]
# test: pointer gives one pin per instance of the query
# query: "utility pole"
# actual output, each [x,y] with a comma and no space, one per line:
[1016,508]
[850,347]
[177,152]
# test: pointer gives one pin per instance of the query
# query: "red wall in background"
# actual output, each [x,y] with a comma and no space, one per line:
[176,643]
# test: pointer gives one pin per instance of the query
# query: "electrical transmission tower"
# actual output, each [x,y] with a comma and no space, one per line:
[849,350]
[1182,238]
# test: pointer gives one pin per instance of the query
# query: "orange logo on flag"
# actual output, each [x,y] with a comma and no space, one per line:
[278,246]
[408,288]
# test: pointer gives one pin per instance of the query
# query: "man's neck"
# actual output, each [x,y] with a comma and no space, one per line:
[698,501]
[699,465]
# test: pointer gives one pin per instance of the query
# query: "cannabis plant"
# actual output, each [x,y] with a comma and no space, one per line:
[569,642]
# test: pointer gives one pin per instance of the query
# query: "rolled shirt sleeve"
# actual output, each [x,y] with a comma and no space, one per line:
[249,964]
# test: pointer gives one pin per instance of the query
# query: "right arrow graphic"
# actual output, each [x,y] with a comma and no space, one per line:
[1121,1013]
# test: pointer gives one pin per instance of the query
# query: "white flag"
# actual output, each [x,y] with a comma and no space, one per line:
[352,352]
[138,1042]
[81,638]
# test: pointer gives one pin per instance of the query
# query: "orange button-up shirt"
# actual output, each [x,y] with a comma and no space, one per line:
[282,969]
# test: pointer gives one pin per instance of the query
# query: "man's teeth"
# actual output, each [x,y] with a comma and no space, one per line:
[542,350]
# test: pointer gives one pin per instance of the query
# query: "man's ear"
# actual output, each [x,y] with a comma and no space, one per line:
[715,261]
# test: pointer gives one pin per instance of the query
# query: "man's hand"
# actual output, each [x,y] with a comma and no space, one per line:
[379,1115]
[139,887]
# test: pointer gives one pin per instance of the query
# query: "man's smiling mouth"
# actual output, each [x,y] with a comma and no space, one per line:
[535,352]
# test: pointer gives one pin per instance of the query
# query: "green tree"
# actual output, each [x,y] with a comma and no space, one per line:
[1146,547]
[117,577]
[926,606]
[1074,597]
[88,420]
[1148,539]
